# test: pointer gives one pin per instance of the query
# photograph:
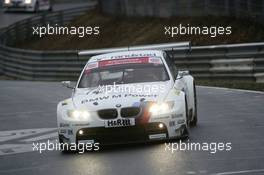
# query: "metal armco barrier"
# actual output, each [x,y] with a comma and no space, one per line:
[234,62]
[22,30]
[231,62]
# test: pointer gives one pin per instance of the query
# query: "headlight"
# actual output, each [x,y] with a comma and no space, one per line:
[161,108]
[80,115]
[27,1]
[7,1]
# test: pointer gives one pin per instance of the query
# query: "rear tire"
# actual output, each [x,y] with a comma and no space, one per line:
[194,121]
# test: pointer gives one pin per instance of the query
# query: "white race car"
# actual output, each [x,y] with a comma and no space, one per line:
[27,5]
[130,96]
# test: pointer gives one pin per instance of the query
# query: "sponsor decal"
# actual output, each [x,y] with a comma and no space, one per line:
[176,116]
[177,92]
[172,123]
[65,102]
[63,125]
[136,104]
[81,124]
[157,136]
[95,99]
[70,132]
[141,95]
[119,60]
[62,131]
[155,60]
[119,123]
[92,65]
[134,55]
[180,121]
[118,96]
[159,118]
[142,60]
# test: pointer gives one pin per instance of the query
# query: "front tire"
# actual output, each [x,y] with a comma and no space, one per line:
[64,149]
[185,131]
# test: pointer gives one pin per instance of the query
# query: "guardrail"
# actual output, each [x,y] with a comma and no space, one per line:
[22,30]
[238,61]
[235,61]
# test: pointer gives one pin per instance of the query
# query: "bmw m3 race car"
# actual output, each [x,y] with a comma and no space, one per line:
[129,96]
[27,5]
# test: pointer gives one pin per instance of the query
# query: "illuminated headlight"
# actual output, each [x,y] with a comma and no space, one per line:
[28,1]
[79,115]
[162,108]
[7,1]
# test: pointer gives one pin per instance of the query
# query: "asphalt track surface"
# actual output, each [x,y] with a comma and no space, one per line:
[9,18]
[28,113]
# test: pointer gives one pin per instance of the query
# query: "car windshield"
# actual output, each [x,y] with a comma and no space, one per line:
[123,71]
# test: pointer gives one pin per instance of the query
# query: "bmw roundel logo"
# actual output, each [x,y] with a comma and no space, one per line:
[118,105]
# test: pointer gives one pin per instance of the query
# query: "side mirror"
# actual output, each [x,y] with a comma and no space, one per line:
[181,74]
[68,84]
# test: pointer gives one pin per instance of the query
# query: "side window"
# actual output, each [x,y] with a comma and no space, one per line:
[171,65]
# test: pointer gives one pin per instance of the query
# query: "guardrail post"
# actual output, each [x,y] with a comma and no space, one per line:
[43,19]
[189,8]
[28,28]
[207,6]
[61,18]
[262,12]
[17,33]
[237,8]
[227,8]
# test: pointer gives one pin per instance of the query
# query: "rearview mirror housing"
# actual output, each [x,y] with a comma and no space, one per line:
[68,84]
[181,74]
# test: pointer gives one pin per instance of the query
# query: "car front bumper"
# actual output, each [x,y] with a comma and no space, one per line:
[123,135]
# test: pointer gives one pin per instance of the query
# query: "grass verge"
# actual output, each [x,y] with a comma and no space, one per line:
[127,31]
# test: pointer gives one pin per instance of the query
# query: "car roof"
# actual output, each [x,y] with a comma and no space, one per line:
[126,54]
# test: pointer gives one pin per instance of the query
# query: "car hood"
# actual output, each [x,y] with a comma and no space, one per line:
[120,95]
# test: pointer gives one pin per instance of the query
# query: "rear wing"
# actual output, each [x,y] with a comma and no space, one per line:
[164,47]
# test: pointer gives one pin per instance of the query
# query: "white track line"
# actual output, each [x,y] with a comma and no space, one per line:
[240,172]
[9,149]
[42,137]
[26,112]
[230,89]
[18,134]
